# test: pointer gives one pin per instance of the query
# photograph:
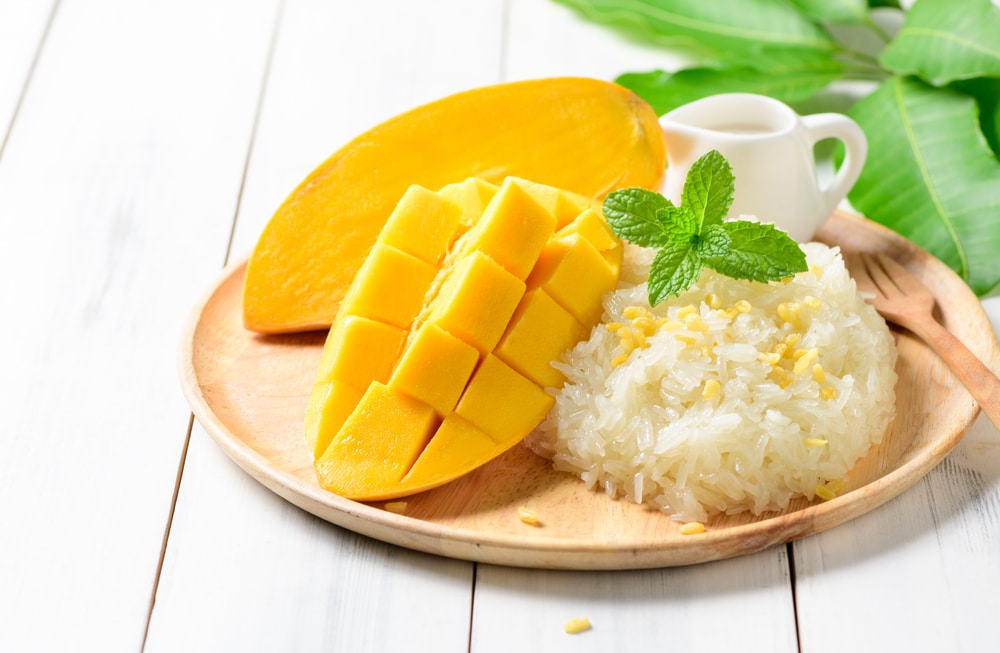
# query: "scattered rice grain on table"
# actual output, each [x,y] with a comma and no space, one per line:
[734,396]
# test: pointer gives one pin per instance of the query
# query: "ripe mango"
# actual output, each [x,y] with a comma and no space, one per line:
[586,136]
[427,378]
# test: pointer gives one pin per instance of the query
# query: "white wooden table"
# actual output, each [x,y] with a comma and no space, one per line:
[142,145]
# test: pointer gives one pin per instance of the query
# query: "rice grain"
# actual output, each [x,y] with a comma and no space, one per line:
[713,411]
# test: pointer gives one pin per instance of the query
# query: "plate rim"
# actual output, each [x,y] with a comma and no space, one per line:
[578,554]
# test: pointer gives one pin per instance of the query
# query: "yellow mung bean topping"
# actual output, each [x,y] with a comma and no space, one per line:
[692,528]
[576,625]
[711,389]
[527,515]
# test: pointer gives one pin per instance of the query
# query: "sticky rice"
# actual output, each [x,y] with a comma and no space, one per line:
[734,396]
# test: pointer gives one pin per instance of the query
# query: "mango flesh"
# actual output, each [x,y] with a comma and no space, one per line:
[513,289]
[582,135]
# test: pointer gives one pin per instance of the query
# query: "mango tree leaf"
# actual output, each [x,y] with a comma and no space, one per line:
[945,40]
[791,76]
[986,90]
[834,11]
[746,26]
[930,176]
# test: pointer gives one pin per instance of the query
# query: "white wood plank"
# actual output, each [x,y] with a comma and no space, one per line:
[342,68]
[22,30]
[740,604]
[744,603]
[247,571]
[338,69]
[547,39]
[118,187]
[922,572]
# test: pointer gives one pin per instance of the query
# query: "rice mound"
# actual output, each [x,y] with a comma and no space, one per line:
[655,428]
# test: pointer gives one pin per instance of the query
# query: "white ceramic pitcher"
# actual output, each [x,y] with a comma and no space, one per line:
[771,150]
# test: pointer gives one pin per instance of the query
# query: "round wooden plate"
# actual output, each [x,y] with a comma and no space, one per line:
[250,393]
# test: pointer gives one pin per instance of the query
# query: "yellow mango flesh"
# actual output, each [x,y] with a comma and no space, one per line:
[390,272]
[435,368]
[377,444]
[471,366]
[477,300]
[571,270]
[427,238]
[582,135]
[536,335]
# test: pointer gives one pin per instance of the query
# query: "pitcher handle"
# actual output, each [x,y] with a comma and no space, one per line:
[821,126]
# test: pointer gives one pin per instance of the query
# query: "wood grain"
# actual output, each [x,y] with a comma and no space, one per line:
[118,186]
[250,393]
[22,32]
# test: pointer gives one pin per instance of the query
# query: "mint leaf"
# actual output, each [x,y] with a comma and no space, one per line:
[679,224]
[758,252]
[674,269]
[708,189]
[694,235]
[713,242]
[632,215]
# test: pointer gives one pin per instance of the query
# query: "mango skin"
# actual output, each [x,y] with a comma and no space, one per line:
[582,135]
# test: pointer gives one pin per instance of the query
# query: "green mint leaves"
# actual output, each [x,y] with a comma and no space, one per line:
[695,234]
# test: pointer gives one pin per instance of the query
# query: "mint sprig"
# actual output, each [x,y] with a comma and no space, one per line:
[696,235]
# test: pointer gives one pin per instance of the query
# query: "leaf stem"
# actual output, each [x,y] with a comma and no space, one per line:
[868,74]
[858,56]
[879,32]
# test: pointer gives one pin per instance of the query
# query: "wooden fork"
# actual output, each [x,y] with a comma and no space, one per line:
[903,299]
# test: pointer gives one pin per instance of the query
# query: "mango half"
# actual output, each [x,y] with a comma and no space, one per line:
[440,353]
[583,135]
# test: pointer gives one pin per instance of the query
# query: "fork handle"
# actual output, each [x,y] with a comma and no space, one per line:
[972,372]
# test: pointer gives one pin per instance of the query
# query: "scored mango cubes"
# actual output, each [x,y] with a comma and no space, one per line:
[439,356]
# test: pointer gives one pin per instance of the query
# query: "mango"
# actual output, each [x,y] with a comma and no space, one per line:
[399,409]
[585,136]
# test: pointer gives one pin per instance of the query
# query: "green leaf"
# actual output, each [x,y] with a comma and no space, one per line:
[631,214]
[834,11]
[713,242]
[930,176]
[693,235]
[708,189]
[723,25]
[986,91]
[791,76]
[945,40]
[679,224]
[758,252]
[674,268]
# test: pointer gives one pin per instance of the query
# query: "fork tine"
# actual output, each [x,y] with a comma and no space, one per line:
[875,266]
[858,271]
[869,276]
[900,276]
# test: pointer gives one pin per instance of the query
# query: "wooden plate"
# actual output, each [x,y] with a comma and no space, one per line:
[250,393]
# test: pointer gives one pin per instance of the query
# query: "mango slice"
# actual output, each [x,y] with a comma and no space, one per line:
[519,274]
[586,136]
